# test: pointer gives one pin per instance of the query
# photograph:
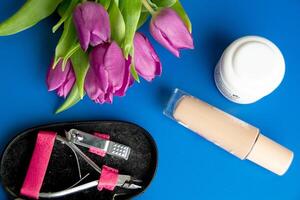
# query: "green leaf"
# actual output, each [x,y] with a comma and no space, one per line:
[28,15]
[71,51]
[72,99]
[153,5]
[80,62]
[68,12]
[117,23]
[143,18]
[63,7]
[66,41]
[144,9]
[181,12]
[131,10]
[105,3]
[134,73]
[164,3]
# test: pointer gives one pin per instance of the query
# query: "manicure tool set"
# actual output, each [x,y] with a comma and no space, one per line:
[112,156]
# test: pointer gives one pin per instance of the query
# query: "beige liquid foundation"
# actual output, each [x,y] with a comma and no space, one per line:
[233,135]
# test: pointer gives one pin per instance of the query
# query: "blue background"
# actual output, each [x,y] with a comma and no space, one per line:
[189,167]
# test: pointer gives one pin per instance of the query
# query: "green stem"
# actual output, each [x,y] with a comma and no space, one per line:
[148,6]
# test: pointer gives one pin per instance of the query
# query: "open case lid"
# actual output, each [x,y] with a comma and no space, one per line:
[62,170]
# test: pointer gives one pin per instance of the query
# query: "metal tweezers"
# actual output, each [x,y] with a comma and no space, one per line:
[124,181]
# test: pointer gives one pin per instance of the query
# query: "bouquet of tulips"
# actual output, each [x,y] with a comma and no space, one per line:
[100,53]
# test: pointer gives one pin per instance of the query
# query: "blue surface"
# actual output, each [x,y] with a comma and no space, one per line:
[189,167]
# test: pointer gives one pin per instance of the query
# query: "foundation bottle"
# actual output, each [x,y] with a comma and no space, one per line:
[233,135]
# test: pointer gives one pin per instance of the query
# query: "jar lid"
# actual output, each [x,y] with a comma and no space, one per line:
[253,66]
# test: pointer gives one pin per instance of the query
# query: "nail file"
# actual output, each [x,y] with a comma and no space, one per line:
[87,140]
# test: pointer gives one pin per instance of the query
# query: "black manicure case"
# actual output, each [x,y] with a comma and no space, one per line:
[62,170]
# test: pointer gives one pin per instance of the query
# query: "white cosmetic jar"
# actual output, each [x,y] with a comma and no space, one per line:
[249,69]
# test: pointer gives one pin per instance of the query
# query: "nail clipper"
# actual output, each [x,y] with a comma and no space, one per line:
[87,140]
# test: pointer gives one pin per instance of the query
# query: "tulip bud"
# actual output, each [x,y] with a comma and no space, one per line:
[146,61]
[108,74]
[92,24]
[61,80]
[170,31]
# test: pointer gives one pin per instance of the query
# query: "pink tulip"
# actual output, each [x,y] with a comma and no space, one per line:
[92,24]
[108,74]
[146,61]
[61,80]
[170,31]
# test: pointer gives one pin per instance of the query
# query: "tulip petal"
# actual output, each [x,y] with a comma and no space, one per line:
[82,31]
[131,80]
[97,63]
[108,75]
[57,76]
[127,81]
[169,30]
[157,35]
[92,24]
[61,80]
[68,84]
[100,99]
[109,97]
[147,63]
[114,63]
[92,85]
[99,25]
[94,39]
[103,78]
